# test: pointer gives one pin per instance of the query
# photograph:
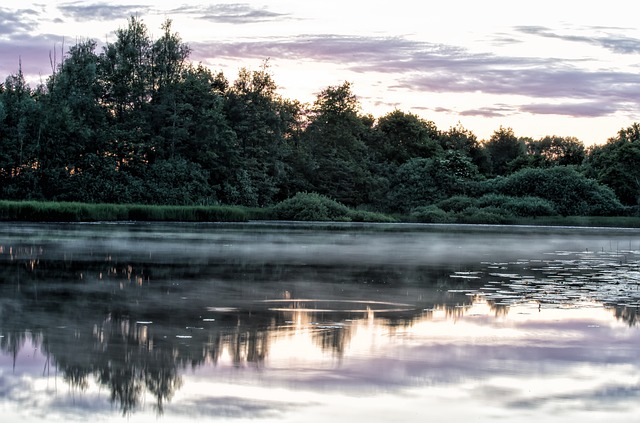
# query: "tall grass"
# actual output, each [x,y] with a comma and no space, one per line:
[37,211]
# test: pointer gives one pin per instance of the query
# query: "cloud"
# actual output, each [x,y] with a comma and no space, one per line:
[489,112]
[615,43]
[422,66]
[31,51]
[17,21]
[240,13]
[101,11]
[586,109]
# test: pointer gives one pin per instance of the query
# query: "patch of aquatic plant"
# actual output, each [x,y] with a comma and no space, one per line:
[610,277]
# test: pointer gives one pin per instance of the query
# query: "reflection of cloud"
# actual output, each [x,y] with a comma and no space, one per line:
[101,11]
[240,13]
[231,407]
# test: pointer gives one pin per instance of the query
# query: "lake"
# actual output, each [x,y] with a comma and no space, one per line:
[286,322]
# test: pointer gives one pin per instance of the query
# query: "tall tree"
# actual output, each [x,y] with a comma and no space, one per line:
[504,148]
[262,121]
[405,136]
[74,126]
[19,137]
[338,159]
[556,151]
[125,69]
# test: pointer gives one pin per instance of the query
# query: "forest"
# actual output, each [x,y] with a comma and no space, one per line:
[138,123]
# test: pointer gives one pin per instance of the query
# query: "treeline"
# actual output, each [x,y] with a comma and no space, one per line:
[139,123]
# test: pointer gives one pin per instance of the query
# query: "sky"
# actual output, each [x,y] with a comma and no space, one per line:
[561,67]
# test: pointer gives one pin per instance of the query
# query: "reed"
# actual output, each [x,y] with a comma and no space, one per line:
[41,211]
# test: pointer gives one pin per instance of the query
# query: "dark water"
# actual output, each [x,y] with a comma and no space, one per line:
[316,323]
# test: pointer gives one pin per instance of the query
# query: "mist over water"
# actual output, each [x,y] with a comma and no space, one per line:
[306,322]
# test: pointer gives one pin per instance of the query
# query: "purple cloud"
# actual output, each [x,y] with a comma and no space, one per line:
[239,13]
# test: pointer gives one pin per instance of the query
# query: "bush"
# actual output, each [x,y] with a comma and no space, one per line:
[487,215]
[571,192]
[315,207]
[519,206]
[457,203]
[311,207]
[432,214]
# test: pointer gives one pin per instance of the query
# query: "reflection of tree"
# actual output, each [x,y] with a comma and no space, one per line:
[87,311]
[627,314]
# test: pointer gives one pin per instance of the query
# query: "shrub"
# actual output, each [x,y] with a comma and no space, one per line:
[487,215]
[519,206]
[432,214]
[571,192]
[315,207]
[457,203]
[311,207]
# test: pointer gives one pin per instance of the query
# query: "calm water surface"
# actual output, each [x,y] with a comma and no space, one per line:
[268,322]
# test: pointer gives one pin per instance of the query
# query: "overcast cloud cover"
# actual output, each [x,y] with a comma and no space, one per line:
[566,68]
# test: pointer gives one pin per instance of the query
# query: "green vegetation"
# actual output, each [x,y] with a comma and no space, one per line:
[83,212]
[316,207]
[136,131]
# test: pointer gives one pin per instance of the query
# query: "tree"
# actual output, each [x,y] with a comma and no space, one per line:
[504,148]
[556,151]
[404,136]
[125,70]
[338,163]
[262,122]
[422,182]
[460,139]
[615,164]
[73,123]
[20,126]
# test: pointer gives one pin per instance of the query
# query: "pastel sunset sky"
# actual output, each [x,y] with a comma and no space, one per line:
[562,67]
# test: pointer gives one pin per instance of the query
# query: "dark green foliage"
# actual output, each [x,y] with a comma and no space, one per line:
[138,123]
[404,136]
[615,164]
[572,193]
[556,151]
[518,206]
[432,214]
[457,203]
[486,215]
[421,182]
[82,212]
[311,207]
[504,149]
[315,207]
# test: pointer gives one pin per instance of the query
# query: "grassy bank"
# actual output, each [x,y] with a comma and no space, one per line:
[36,211]
[305,207]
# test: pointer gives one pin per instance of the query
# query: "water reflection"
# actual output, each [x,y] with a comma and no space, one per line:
[145,312]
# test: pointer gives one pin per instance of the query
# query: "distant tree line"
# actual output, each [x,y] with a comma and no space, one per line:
[139,123]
